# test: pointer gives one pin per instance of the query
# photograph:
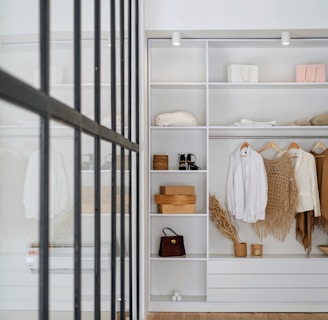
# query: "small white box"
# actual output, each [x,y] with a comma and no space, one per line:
[243,73]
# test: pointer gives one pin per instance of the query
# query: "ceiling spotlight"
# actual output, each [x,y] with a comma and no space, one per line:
[285,38]
[176,39]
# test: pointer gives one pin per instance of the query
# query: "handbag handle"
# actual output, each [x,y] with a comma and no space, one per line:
[315,74]
[167,228]
[242,74]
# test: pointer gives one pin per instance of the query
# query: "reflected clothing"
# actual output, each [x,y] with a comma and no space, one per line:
[58,186]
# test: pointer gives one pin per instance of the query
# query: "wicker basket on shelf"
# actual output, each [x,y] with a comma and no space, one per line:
[240,249]
[257,250]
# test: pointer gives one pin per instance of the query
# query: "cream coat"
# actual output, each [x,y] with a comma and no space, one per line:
[306,181]
[247,188]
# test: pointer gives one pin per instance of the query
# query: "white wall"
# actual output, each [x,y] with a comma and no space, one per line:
[193,16]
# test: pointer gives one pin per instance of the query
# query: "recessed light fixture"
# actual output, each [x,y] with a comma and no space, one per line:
[285,38]
[176,38]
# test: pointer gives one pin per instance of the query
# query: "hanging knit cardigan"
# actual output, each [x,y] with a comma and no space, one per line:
[282,198]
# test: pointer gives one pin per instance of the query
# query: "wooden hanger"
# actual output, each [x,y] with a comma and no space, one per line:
[269,145]
[319,145]
[244,145]
[293,145]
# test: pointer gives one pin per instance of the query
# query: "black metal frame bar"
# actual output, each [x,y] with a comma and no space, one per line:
[114,174]
[77,163]
[48,108]
[122,163]
[44,166]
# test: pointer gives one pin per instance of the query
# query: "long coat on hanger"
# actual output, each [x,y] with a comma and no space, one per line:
[247,188]
[306,181]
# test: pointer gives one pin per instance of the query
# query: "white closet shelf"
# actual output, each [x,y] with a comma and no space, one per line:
[170,128]
[174,215]
[178,171]
[187,257]
[230,85]
[268,132]
[168,298]
[267,257]
[177,85]
[269,85]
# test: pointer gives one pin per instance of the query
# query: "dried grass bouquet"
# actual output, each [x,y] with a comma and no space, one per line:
[223,220]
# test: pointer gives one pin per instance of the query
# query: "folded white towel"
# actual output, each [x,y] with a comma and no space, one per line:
[251,123]
[178,118]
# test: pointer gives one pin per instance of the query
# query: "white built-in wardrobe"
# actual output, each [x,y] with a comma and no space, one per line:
[192,77]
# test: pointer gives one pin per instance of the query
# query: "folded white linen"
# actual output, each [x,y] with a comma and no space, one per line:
[177,118]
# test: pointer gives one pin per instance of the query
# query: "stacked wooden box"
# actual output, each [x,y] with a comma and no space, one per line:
[176,199]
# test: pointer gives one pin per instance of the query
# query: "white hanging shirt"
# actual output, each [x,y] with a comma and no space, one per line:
[247,187]
[58,193]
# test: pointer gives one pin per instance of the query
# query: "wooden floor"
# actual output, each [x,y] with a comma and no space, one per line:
[237,316]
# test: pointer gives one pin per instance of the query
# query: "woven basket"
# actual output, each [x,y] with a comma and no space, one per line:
[160,162]
[257,250]
[324,248]
[240,249]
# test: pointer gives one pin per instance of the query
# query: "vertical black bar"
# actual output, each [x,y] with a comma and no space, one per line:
[44,45]
[77,163]
[122,166]
[129,44]
[77,224]
[113,182]
[97,235]
[122,212]
[113,230]
[44,167]
[137,157]
[44,221]
[97,284]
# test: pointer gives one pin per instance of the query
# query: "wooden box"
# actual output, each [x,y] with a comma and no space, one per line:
[175,208]
[175,199]
[173,190]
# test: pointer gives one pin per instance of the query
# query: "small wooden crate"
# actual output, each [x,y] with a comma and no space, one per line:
[160,162]
[175,199]
[173,190]
[176,208]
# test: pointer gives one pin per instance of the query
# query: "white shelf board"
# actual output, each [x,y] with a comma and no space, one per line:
[276,131]
[302,256]
[187,257]
[178,171]
[174,215]
[268,85]
[170,128]
[177,85]
[168,298]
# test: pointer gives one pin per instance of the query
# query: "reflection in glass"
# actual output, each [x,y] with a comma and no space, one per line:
[61,220]
[19,214]
[19,39]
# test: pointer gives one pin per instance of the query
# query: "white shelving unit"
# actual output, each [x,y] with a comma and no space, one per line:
[192,77]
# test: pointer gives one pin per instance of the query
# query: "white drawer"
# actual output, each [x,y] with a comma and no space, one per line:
[267,281]
[270,295]
[264,265]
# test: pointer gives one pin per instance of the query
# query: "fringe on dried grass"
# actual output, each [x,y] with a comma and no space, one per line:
[222,220]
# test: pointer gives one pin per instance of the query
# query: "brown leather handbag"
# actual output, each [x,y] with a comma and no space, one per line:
[171,246]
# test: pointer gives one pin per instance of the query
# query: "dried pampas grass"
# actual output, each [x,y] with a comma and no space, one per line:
[222,220]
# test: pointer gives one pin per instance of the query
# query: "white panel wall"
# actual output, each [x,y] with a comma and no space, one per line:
[234,14]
